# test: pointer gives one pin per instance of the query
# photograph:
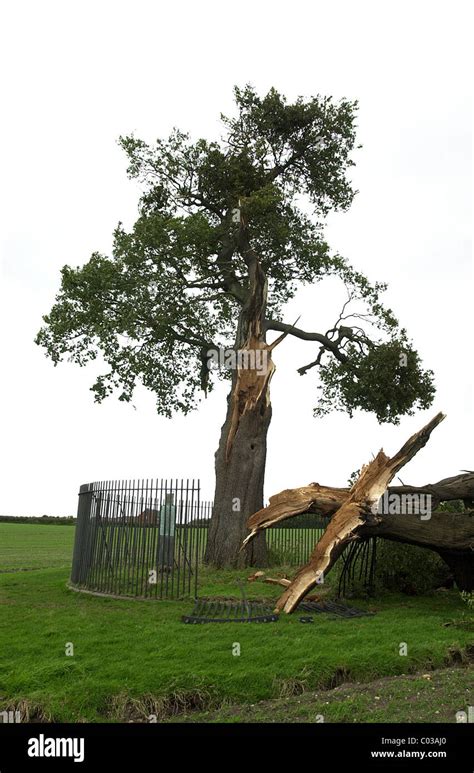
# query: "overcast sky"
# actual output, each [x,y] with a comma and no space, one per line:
[76,75]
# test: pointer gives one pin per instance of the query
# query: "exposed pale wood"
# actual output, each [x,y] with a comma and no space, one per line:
[278,581]
[293,502]
[255,576]
[326,501]
[356,511]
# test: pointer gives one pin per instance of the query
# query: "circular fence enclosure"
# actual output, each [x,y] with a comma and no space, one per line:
[141,539]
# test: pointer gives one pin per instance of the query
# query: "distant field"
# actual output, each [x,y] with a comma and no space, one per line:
[34,546]
[26,546]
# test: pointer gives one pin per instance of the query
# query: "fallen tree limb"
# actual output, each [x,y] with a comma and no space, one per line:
[446,490]
[358,509]
[293,502]
[277,581]
[326,501]
[443,531]
[450,534]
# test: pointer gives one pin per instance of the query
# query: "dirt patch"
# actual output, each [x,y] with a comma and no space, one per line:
[24,711]
[152,708]
[461,657]
[428,696]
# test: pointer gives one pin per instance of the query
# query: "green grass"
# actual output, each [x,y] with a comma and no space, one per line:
[134,658]
[432,697]
[35,546]
[26,546]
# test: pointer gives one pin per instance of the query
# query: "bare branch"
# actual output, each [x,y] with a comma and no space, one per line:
[326,342]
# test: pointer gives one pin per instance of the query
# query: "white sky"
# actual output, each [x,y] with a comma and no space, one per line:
[76,75]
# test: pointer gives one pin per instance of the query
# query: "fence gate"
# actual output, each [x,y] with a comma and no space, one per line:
[138,538]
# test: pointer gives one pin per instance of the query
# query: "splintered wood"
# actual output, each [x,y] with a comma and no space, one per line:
[353,510]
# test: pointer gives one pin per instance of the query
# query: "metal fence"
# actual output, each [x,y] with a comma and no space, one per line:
[139,538]
[291,542]
[147,538]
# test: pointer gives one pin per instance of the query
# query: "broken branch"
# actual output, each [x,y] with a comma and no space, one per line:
[356,510]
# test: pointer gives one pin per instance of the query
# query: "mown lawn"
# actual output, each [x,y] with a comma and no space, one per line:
[25,546]
[136,658]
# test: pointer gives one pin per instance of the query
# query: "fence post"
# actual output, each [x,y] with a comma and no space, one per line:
[79,559]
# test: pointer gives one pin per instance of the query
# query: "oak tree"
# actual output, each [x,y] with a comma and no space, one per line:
[227,232]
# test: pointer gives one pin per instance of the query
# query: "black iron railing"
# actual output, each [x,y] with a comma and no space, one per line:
[291,542]
[139,538]
[148,538]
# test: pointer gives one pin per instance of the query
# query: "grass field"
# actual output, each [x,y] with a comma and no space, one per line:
[136,659]
[26,546]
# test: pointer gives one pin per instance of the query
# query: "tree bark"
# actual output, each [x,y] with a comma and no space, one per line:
[444,528]
[239,490]
[442,532]
[241,455]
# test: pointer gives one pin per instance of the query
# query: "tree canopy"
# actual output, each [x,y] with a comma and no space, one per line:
[174,286]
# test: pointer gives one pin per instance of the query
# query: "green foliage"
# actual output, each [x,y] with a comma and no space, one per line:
[453,506]
[312,140]
[175,285]
[400,568]
[386,379]
[408,568]
[353,478]
[468,598]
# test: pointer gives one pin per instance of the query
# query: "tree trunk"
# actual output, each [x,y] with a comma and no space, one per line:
[449,534]
[241,456]
[239,490]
